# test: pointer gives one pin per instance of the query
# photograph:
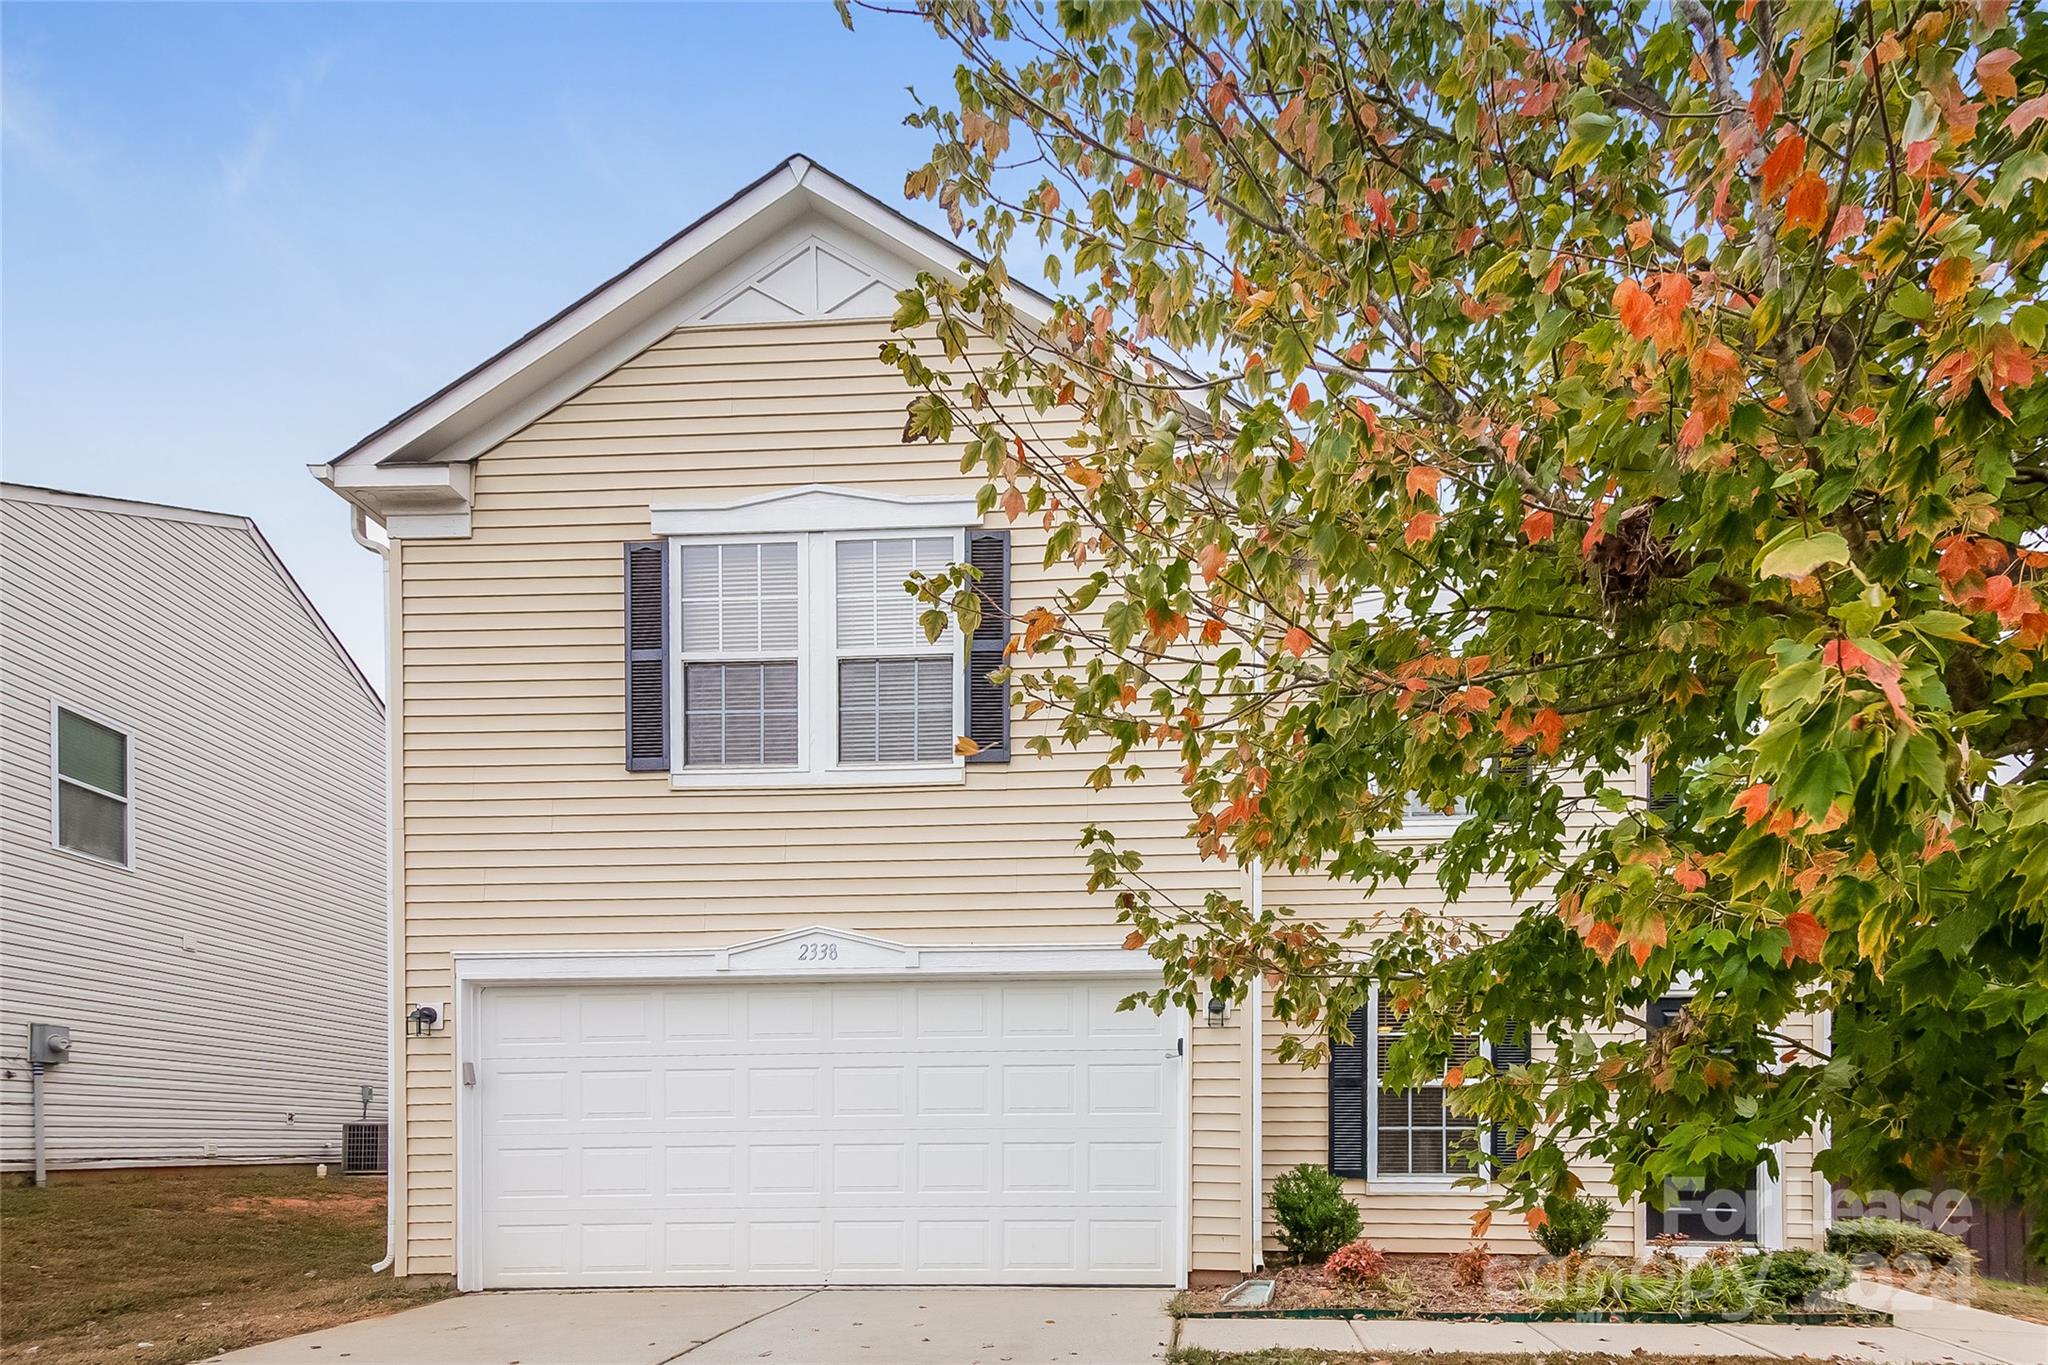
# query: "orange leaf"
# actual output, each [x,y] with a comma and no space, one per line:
[1603,938]
[1048,199]
[1951,279]
[1420,527]
[966,747]
[1134,940]
[1454,1078]
[1754,802]
[1764,102]
[1038,623]
[1785,159]
[1013,503]
[1807,205]
[2027,115]
[1994,74]
[1634,306]
[1298,402]
[1296,641]
[1535,1218]
[1689,875]
[1807,934]
[1538,525]
[1423,480]
[1212,560]
[1482,1219]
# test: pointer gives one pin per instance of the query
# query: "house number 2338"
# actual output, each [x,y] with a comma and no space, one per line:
[817,952]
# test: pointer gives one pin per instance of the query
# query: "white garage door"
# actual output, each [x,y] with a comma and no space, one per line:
[861,1133]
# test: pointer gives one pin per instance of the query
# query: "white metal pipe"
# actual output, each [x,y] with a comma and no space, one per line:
[35,1118]
[358,528]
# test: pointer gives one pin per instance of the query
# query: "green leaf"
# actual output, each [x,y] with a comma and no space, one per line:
[1793,555]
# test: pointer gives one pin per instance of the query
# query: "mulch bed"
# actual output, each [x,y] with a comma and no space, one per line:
[1430,1286]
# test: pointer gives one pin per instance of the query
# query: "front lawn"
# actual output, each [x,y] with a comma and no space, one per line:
[194,1262]
[2029,1301]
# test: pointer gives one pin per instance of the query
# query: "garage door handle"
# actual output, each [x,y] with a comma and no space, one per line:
[469,1073]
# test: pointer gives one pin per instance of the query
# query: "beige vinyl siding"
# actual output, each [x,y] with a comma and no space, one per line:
[226,992]
[521,826]
[1296,1101]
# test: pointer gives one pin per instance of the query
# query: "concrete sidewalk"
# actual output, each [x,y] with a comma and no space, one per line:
[1925,1330]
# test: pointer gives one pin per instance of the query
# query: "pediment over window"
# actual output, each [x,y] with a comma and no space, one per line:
[816,507]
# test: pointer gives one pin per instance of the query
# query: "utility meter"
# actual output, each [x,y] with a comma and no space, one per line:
[49,1044]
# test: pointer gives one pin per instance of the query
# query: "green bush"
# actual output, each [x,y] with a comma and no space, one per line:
[1312,1215]
[1788,1278]
[1573,1224]
[1891,1239]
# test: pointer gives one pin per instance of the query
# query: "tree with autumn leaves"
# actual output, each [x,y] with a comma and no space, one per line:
[1481,407]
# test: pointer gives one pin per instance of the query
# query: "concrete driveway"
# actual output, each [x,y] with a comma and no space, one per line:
[786,1326]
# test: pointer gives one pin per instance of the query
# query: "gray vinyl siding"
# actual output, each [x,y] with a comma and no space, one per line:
[225,993]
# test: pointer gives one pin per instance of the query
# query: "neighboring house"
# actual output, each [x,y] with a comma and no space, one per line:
[744,975]
[194,876]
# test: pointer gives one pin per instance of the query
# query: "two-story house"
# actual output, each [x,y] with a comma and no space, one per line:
[192,859]
[741,972]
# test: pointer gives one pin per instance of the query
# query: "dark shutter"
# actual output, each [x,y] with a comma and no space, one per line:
[1347,1097]
[646,655]
[988,703]
[1515,1047]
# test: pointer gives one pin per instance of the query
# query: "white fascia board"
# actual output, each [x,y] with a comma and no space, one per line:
[815,507]
[625,316]
[578,323]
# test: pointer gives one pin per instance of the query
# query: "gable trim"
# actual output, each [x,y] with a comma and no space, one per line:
[466,417]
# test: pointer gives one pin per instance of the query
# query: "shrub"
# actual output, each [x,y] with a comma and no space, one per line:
[1891,1239]
[1312,1215]
[1573,1224]
[1785,1278]
[1356,1263]
[1469,1267]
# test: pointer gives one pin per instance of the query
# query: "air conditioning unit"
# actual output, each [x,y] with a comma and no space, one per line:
[365,1148]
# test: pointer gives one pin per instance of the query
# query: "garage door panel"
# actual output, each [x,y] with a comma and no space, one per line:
[862,1133]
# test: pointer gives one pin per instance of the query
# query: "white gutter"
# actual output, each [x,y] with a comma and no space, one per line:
[358,528]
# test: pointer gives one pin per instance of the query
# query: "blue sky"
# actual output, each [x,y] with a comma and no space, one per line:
[235,238]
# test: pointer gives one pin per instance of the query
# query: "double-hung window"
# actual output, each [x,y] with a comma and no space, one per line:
[801,658]
[740,634]
[90,801]
[1412,1134]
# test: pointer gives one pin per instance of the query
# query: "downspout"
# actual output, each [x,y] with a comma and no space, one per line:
[1257,1003]
[358,528]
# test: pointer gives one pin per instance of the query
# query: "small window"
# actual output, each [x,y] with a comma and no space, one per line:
[1722,1207]
[91,782]
[1414,1132]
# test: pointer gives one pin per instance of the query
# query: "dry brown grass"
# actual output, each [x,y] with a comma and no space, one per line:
[195,1262]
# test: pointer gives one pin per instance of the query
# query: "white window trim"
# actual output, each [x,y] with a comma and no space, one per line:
[1396,1184]
[817,649]
[126,864]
